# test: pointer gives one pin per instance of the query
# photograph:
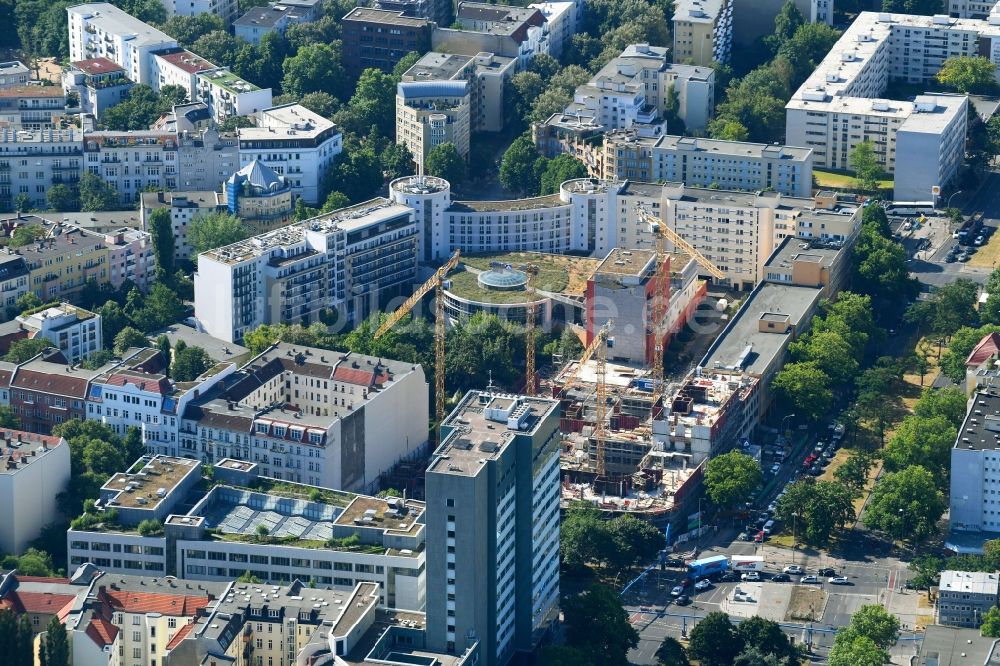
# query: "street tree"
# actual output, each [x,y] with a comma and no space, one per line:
[969,75]
[815,509]
[857,651]
[731,478]
[714,641]
[62,198]
[634,541]
[564,655]
[671,653]
[853,472]
[805,389]
[766,636]
[875,623]
[866,165]
[880,269]
[517,168]
[830,352]
[95,194]
[906,504]
[314,68]
[598,625]
[924,441]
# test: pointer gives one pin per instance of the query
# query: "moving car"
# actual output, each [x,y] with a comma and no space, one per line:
[729,577]
[793,569]
[703,584]
[827,571]
[781,578]
[750,576]
[760,537]
[679,590]
[839,580]
[809,579]
[775,468]
[683,600]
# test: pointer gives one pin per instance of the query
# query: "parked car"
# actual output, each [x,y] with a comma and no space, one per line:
[980,239]
[772,507]
[827,571]
[809,579]
[775,468]
[963,257]
[679,590]
[673,563]
[683,600]
[729,577]
[816,471]
[760,537]
[839,580]
[750,576]
[703,584]
[793,569]
[781,578]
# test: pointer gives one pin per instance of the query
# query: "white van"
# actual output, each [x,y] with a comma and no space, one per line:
[768,526]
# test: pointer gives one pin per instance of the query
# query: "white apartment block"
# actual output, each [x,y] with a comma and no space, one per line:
[839,105]
[562,19]
[98,82]
[700,162]
[227,95]
[184,207]
[32,161]
[974,9]
[206,159]
[430,113]
[33,470]
[14,74]
[738,231]
[975,468]
[74,331]
[351,260]
[179,67]
[964,597]
[224,9]
[133,161]
[487,75]
[100,29]
[703,31]
[297,143]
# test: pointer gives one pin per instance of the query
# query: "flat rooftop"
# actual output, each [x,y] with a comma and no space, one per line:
[532,203]
[981,428]
[633,263]
[954,646]
[479,429]
[19,449]
[376,512]
[112,20]
[798,249]
[730,148]
[96,66]
[742,348]
[151,483]
[386,17]
[185,60]
[229,81]
[435,66]
[239,512]
[697,11]
[973,582]
[264,17]
[289,121]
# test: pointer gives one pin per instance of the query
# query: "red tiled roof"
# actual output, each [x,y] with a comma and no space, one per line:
[154,602]
[354,376]
[187,61]
[5,376]
[97,66]
[33,91]
[102,632]
[43,603]
[179,636]
[987,347]
[56,384]
[159,385]
[42,579]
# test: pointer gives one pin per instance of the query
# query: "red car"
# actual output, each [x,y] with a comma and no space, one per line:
[760,537]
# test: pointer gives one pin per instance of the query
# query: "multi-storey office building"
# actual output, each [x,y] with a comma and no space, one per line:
[493,526]
[32,161]
[703,31]
[100,29]
[351,260]
[99,83]
[487,75]
[380,38]
[34,469]
[840,104]
[295,142]
[699,162]
[31,107]
[336,540]
[965,596]
[430,113]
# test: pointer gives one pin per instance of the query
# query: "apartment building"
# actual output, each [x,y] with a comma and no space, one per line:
[31,107]
[509,31]
[99,84]
[14,74]
[45,393]
[561,18]
[224,9]
[260,197]
[178,67]
[703,31]
[753,19]
[352,260]
[206,158]
[430,113]
[971,9]
[973,508]
[32,161]
[40,598]
[297,143]
[380,38]
[700,162]
[965,596]
[33,470]
[493,526]
[260,21]
[487,76]
[184,207]
[228,96]
[60,264]
[217,538]
[440,12]
[13,279]
[631,92]
[840,104]
[72,330]
[134,161]
[100,29]
[310,416]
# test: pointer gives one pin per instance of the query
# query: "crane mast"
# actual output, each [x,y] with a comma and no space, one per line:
[436,282]
[529,332]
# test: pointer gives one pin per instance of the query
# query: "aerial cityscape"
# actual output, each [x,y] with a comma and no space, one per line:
[455,333]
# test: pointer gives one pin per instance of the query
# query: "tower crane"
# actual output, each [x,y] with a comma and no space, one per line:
[437,284]
[600,432]
[663,233]
[529,332]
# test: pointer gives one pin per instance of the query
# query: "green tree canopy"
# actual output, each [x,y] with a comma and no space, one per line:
[731,478]
[805,388]
[867,166]
[188,29]
[517,168]
[968,74]
[814,509]
[211,230]
[189,363]
[315,68]
[25,349]
[671,653]
[714,641]
[444,161]
[991,623]
[162,237]
[906,504]
[95,194]
[129,337]
[924,441]
[62,198]
[560,169]
[949,402]
[598,625]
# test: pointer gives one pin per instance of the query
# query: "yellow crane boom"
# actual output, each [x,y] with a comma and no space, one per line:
[437,283]
[587,354]
[658,228]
